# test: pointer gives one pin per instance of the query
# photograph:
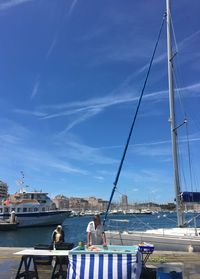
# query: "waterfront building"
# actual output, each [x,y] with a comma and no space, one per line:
[61,202]
[91,203]
[78,203]
[124,201]
[3,190]
[97,204]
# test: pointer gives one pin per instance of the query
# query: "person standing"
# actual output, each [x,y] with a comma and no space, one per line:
[13,219]
[95,232]
[58,235]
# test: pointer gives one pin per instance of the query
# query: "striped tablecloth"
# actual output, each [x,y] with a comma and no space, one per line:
[104,266]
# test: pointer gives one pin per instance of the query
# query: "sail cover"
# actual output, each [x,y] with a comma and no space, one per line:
[190,196]
[109,266]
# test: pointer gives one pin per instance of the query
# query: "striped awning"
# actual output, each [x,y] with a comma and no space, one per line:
[104,266]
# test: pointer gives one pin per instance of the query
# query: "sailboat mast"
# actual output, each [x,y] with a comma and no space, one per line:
[180,216]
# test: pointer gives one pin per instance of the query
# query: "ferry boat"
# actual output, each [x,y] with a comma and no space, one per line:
[32,208]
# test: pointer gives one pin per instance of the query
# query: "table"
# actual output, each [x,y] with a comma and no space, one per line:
[146,250]
[28,258]
[145,257]
[112,262]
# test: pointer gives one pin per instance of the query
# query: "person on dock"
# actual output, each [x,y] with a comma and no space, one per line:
[13,218]
[95,232]
[58,235]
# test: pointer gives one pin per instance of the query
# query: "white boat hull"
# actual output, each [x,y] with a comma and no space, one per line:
[165,241]
[40,218]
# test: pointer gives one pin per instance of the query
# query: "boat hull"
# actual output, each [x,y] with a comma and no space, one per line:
[36,219]
[8,226]
[160,241]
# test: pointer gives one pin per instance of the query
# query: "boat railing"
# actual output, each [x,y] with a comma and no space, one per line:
[118,225]
[126,225]
[164,220]
[194,220]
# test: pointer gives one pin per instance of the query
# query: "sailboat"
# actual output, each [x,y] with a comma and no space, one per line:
[181,238]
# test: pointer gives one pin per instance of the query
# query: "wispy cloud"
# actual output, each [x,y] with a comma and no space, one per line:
[79,112]
[8,139]
[35,87]
[127,55]
[83,153]
[82,118]
[52,46]
[7,4]
[57,34]
[72,7]
[66,154]
[68,169]
[187,41]
[99,177]
[88,107]
[28,112]
[14,145]
[153,151]
[13,132]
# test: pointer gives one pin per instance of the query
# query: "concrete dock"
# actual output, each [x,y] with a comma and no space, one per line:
[190,261]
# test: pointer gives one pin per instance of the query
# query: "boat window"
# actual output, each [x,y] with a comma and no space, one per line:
[1,210]
[35,209]
[43,209]
[18,209]
[13,209]
[30,209]
[24,209]
[6,209]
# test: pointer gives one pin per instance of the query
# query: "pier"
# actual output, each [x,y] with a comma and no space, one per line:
[9,263]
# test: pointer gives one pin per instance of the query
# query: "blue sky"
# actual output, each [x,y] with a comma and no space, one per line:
[71,72]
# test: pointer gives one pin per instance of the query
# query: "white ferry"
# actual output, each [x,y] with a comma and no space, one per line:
[32,209]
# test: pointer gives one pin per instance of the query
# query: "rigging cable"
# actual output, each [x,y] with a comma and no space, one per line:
[133,123]
[174,36]
[189,157]
[176,78]
[187,132]
[181,167]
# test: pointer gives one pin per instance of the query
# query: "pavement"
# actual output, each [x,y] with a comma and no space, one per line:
[188,262]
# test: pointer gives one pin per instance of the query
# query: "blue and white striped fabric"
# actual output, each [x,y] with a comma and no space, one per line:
[104,266]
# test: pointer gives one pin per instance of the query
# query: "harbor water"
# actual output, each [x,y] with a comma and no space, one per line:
[75,228]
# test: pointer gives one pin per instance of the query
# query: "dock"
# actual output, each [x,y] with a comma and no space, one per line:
[191,263]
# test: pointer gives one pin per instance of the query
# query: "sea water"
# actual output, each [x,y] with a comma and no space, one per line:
[75,228]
